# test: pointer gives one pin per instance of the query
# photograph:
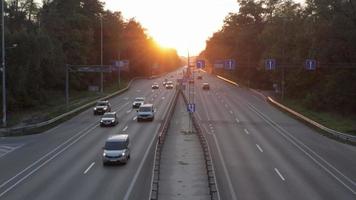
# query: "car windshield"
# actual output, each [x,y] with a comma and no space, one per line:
[101,104]
[109,115]
[115,145]
[145,109]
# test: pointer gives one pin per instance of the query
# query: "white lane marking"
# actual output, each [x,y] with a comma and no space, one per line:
[138,171]
[231,112]
[225,105]
[246,131]
[279,174]
[45,162]
[237,120]
[299,144]
[259,148]
[138,90]
[232,191]
[152,99]
[90,166]
[126,98]
[126,127]
[134,118]
[128,111]
[210,125]
[163,98]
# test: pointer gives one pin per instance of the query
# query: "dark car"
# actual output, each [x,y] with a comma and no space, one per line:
[206,86]
[199,77]
[102,107]
[109,119]
[155,86]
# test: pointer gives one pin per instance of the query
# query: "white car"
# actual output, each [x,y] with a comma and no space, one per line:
[155,86]
[145,112]
[138,102]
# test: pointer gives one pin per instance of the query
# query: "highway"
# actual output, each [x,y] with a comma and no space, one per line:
[65,161]
[261,153]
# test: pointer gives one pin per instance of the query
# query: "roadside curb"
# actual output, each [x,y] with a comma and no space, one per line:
[42,126]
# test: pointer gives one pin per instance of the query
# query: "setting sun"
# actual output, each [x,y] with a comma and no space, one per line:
[183,24]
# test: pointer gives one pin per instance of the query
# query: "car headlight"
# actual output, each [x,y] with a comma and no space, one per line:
[123,154]
[101,121]
[105,108]
[113,120]
[95,108]
[104,154]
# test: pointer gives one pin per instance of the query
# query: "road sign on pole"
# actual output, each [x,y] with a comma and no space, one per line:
[200,64]
[310,64]
[219,64]
[230,64]
[270,64]
[191,107]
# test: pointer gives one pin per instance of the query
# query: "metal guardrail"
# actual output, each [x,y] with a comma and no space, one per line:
[53,121]
[214,193]
[330,132]
[344,137]
[158,150]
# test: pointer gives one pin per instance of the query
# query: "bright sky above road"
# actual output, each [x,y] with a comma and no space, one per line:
[180,24]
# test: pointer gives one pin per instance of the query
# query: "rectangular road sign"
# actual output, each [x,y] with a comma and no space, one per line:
[230,64]
[94,69]
[270,64]
[191,107]
[310,64]
[200,64]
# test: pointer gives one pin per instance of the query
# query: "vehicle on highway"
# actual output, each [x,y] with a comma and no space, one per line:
[138,102]
[206,86]
[155,86]
[101,107]
[116,149]
[145,112]
[199,77]
[169,85]
[109,119]
[165,82]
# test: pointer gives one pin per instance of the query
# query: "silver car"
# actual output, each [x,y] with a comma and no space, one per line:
[116,149]
[145,112]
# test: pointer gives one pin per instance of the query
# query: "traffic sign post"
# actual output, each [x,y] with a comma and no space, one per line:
[310,64]
[200,64]
[270,64]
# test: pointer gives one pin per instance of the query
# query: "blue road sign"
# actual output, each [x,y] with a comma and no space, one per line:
[219,64]
[191,107]
[122,65]
[230,64]
[200,64]
[270,64]
[310,64]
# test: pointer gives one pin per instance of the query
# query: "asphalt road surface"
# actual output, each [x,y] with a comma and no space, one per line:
[261,153]
[65,161]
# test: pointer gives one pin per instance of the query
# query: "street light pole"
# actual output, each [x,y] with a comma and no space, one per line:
[101,54]
[4,121]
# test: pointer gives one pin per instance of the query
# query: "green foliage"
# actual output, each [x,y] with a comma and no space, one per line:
[324,30]
[64,32]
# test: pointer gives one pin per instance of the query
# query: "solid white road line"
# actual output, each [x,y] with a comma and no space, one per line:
[259,148]
[163,98]
[231,112]
[246,131]
[90,166]
[138,171]
[125,128]
[134,118]
[44,163]
[279,174]
[128,111]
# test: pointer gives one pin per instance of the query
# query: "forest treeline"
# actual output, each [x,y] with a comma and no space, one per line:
[290,33]
[42,38]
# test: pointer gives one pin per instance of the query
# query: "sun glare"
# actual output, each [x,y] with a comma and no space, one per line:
[181,24]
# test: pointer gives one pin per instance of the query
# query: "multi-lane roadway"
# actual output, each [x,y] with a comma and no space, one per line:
[261,153]
[65,161]
[258,151]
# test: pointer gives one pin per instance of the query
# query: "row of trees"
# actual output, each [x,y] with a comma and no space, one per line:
[59,32]
[289,32]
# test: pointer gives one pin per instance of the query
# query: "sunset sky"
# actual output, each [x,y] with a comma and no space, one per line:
[180,24]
